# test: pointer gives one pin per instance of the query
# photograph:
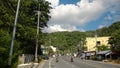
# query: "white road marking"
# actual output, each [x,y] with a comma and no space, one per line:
[50,62]
[73,66]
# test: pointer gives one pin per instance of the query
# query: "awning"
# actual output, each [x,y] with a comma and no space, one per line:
[107,52]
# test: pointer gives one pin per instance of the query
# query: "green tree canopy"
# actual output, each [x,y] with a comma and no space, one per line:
[66,40]
[103,48]
[115,41]
[26,27]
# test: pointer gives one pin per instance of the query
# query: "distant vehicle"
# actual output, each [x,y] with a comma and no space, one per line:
[45,57]
[57,59]
[53,56]
[71,59]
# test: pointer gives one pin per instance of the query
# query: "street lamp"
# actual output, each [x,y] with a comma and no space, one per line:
[13,35]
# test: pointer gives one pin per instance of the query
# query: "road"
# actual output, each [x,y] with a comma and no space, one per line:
[64,62]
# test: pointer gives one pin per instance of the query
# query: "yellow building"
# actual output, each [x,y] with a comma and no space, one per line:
[91,42]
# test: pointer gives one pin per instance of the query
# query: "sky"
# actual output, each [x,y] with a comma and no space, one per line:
[82,15]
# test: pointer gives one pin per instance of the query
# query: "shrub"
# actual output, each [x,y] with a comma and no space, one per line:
[93,57]
[118,60]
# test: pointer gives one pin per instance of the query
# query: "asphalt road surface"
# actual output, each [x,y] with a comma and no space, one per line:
[64,62]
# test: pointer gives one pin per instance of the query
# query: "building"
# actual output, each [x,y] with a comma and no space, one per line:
[91,42]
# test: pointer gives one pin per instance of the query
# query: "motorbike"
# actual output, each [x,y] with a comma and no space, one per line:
[71,59]
[57,60]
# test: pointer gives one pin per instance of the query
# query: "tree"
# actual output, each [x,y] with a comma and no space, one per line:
[115,41]
[26,27]
[6,23]
[103,48]
[26,32]
[64,41]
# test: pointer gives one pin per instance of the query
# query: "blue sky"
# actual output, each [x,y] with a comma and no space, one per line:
[69,1]
[82,15]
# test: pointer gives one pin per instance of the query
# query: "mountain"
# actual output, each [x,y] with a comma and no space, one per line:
[105,31]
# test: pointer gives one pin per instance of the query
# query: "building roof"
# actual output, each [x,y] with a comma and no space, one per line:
[104,52]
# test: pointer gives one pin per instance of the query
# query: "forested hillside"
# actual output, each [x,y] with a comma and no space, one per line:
[105,31]
[66,40]
[76,39]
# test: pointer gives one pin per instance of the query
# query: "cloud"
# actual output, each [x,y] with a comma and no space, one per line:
[108,17]
[55,28]
[76,14]
[54,3]
[101,26]
[79,14]
[117,18]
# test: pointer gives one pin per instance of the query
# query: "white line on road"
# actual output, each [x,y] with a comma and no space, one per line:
[50,63]
[73,66]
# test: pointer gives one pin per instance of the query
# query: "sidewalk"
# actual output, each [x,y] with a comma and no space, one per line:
[32,65]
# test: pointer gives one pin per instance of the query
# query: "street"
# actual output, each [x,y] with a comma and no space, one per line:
[64,62]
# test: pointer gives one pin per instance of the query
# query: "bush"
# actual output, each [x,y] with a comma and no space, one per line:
[93,57]
[110,60]
[118,60]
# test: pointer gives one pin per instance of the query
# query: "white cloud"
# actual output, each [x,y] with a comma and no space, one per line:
[79,14]
[76,14]
[54,3]
[117,18]
[101,26]
[108,17]
[55,28]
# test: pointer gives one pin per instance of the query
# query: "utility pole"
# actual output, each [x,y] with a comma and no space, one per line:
[45,45]
[96,43]
[13,35]
[37,38]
